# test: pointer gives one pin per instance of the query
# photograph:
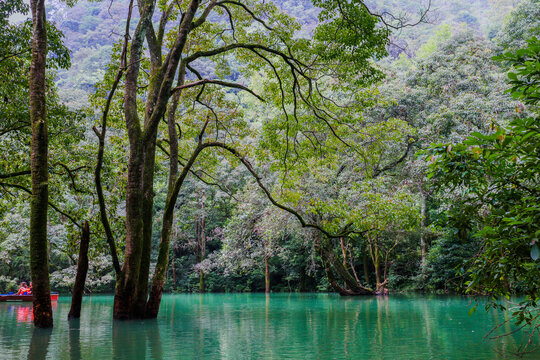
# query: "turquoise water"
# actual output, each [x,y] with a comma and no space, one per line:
[256,326]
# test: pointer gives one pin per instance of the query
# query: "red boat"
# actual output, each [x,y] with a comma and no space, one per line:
[14,297]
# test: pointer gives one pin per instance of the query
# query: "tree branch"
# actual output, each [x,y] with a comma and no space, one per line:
[217,82]
[51,204]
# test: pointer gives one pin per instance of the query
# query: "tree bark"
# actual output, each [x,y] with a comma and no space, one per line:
[126,285]
[101,149]
[201,281]
[130,281]
[377,265]
[423,228]
[82,270]
[152,307]
[39,262]
[147,217]
[266,275]
[154,300]
[366,267]
[201,242]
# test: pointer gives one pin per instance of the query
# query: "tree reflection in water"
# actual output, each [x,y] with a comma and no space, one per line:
[39,344]
[133,339]
[75,338]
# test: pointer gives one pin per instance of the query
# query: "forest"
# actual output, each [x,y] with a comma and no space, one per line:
[362,148]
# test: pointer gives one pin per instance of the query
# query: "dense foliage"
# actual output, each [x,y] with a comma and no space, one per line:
[498,174]
[297,125]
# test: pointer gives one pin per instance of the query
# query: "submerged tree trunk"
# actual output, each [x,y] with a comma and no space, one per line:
[39,262]
[82,270]
[147,217]
[126,284]
[140,139]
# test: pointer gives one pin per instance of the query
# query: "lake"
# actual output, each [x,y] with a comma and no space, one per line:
[256,326]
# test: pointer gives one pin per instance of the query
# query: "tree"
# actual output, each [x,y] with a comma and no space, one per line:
[254,234]
[82,270]
[36,45]
[39,262]
[389,217]
[452,89]
[522,23]
[499,173]
[305,74]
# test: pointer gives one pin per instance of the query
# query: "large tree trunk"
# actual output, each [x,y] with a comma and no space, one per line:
[39,262]
[154,300]
[126,284]
[147,217]
[82,270]
[126,305]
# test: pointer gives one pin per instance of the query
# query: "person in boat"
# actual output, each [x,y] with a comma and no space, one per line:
[30,289]
[23,290]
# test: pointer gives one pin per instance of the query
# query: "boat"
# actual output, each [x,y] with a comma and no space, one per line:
[28,298]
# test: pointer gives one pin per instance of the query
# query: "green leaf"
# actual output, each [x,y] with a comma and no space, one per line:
[535,252]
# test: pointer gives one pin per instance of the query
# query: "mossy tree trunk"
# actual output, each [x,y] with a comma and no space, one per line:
[127,280]
[39,262]
[147,217]
[130,288]
[156,291]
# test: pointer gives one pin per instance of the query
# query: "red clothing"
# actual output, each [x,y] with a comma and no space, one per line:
[23,291]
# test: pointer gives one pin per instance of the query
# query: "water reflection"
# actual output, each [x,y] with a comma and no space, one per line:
[23,312]
[136,340]
[75,338]
[39,344]
[259,326]
[153,338]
